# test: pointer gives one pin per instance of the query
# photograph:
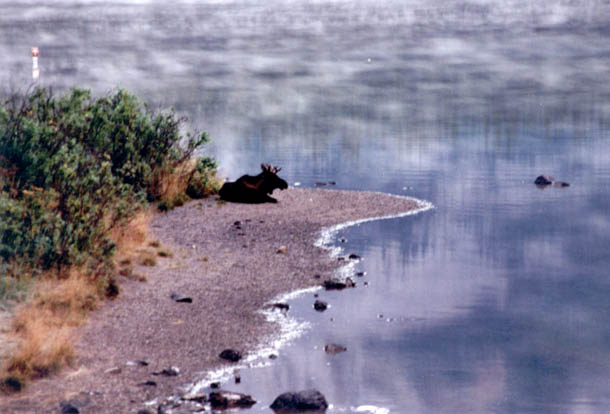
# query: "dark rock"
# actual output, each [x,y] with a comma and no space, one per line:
[561,184]
[272,356]
[237,223]
[354,256]
[320,184]
[320,306]
[215,385]
[281,306]
[334,349]
[112,289]
[144,411]
[230,355]
[333,284]
[68,407]
[360,274]
[237,377]
[544,180]
[176,297]
[228,399]
[168,372]
[343,240]
[148,384]
[317,276]
[332,183]
[11,384]
[341,259]
[300,401]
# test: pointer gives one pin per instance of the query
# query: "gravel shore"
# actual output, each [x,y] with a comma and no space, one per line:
[229,270]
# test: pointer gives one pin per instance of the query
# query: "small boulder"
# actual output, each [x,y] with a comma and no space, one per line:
[300,401]
[320,306]
[282,250]
[230,355]
[334,284]
[68,407]
[168,372]
[228,399]
[334,349]
[176,297]
[544,180]
[354,256]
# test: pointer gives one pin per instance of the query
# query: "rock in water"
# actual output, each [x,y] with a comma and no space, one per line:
[68,408]
[320,305]
[230,355]
[300,401]
[228,399]
[544,180]
[333,349]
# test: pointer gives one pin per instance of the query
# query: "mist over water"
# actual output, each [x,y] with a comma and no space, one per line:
[496,300]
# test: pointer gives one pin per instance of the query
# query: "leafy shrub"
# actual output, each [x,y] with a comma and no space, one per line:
[73,167]
[200,183]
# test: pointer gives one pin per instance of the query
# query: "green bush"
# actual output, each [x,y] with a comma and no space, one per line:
[73,167]
[199,183]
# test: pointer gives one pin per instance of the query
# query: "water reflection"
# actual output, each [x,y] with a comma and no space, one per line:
[496,301]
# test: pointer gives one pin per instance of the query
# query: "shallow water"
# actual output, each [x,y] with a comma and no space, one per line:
[494,301]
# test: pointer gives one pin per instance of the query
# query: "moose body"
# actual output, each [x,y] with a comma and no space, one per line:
[254,189]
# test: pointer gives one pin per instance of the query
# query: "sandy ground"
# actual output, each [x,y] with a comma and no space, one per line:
[229,272]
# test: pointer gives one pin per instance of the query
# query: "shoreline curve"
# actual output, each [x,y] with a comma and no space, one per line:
[231,259]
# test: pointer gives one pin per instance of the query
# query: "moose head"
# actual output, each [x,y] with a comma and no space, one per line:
[270,179]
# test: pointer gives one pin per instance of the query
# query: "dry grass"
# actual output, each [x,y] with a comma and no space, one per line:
[43,325]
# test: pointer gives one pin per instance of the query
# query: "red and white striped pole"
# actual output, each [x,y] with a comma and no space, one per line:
[35,70]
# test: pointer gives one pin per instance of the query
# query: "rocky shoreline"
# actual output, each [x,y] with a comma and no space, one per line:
[227,262]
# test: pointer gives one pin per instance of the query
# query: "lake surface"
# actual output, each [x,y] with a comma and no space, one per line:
[495,301]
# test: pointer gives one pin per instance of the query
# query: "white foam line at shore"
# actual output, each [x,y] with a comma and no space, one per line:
[290,328]
[328,234]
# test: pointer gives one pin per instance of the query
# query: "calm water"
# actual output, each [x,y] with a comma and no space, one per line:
[495,301]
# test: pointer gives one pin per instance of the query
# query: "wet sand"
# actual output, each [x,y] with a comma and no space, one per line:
[229,270]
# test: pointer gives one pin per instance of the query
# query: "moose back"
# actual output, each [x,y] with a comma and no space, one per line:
[254,189]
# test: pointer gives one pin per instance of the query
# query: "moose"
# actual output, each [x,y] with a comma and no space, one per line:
[254,189]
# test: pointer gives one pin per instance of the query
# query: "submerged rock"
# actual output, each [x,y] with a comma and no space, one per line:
[334,284]
[334,349]
[230,355]
[300,401]
[320,306]
[176,297]
[228,399]
[546,180]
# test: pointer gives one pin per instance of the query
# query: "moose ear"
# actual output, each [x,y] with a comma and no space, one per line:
[264,167]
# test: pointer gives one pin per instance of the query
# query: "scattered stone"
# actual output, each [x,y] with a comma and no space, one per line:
[237,223]
[341,259]
[281,306]
[332,183]
[334,349]
[168,372]
[228,399]
[176,297]
[272,356]
[354,256]
[360,274]
[282,250]
[300,401]
[230,355]
[137,362]
[11,384]
[68,408]
[343,240]
[148,384]
[215,385]
[320,306]
[333,284]
[113,370]
[144,411]
[320,184]
[317,276]
[544,180]
[237,377]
